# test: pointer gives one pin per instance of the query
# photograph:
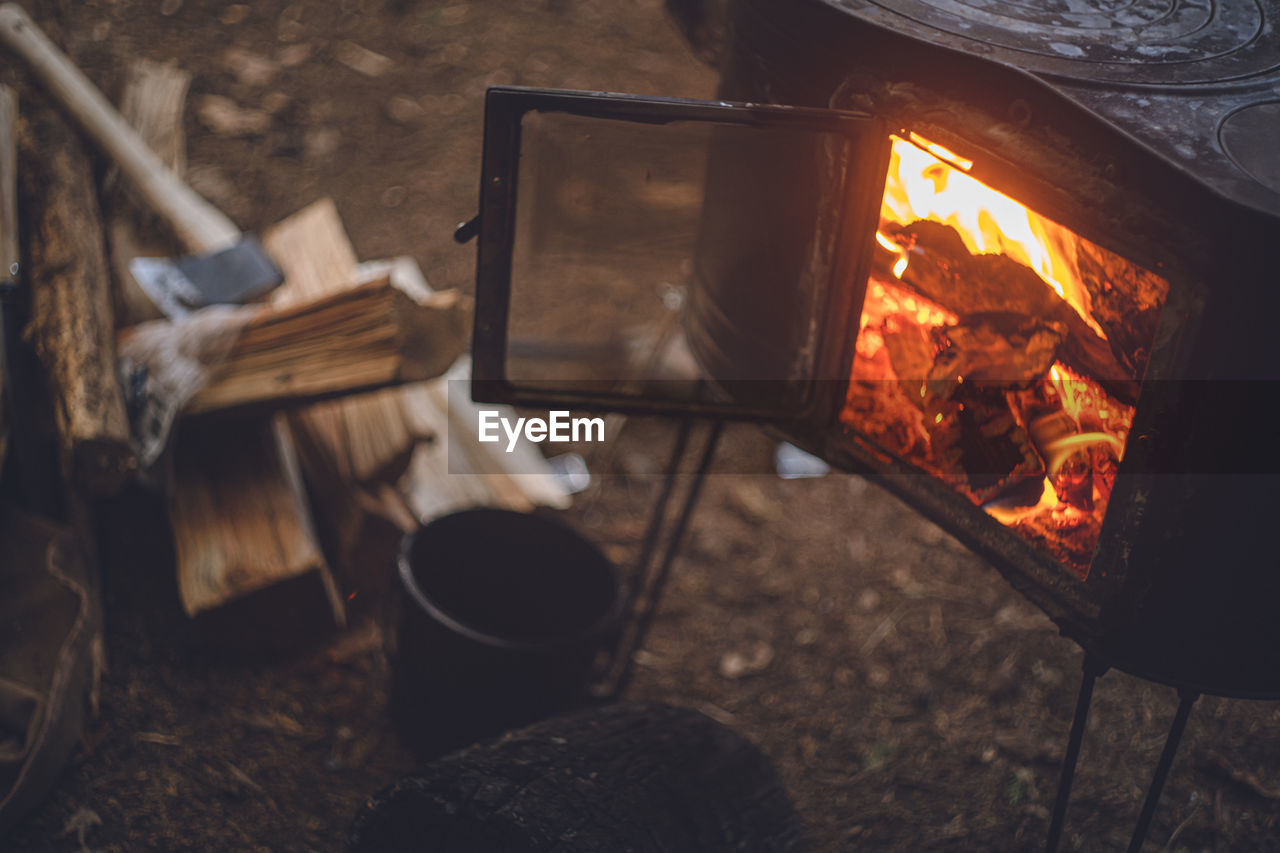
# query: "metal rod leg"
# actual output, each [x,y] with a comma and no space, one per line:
[652,583]
[1188,698]
[1092,669]
[653,532]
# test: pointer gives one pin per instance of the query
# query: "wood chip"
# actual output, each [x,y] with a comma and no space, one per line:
[234,14]
[404,110]
[225,117]
[361,59]
[737,664]
[293,55]
[250,69]
[157,737]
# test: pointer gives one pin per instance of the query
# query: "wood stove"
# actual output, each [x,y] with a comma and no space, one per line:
[1021,272]
[1019,264]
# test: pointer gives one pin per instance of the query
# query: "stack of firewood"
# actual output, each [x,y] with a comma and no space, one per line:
[311,438]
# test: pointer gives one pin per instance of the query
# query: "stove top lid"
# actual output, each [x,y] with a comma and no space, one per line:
[1196,80]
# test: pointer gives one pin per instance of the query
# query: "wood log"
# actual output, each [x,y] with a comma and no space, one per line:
[365,338]
[630,776]
[240,517]
[1126,301]
[152,101]
[1006,351]
[70,323]
[365,439]
[941,269]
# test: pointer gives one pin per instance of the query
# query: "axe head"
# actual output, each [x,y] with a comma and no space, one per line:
[237,274]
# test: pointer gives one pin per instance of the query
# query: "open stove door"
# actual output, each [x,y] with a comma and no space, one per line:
[611,226]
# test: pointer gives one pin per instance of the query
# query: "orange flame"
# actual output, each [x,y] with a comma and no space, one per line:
[923,185]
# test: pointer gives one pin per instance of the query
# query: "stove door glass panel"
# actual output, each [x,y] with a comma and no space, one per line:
[611,270]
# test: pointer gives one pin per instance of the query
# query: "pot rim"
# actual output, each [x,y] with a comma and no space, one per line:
[410,584]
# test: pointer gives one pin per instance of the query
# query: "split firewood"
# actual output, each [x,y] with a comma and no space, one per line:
[241,520]
[350,449]
[152,101]
[71,320]
[365,439]
[457,471]
[240,517]
[368,337]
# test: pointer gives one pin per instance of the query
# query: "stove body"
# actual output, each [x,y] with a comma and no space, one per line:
[1149,132]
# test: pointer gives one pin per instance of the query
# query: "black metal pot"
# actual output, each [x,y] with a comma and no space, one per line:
[502,618]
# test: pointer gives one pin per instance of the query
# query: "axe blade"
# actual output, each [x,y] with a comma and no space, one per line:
[237,274]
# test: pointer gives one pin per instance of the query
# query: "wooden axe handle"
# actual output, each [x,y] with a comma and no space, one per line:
[199,225]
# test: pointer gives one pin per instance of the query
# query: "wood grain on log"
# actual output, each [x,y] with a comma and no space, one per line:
[364,338]
[365,439]
[941,268]
[71,321]
[240,516]
[153,101]
[632,776]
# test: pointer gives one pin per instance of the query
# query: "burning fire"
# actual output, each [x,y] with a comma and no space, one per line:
[987,220]
[965,368]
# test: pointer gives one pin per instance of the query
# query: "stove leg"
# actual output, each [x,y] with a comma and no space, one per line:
[1187,699]
[1092,669]
[651,581]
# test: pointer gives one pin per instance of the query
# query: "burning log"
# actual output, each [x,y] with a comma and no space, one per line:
[1125,300]
[959,377]
[70,321]
[1009,350]
[941,268]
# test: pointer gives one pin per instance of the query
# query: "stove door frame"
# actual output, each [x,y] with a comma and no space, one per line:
[505,107]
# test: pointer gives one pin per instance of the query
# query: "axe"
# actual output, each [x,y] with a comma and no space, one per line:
[224,265]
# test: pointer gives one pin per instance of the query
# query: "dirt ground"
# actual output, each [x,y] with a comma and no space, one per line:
[909,698]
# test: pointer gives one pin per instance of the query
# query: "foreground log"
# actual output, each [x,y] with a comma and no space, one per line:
[633,776]
[70,323]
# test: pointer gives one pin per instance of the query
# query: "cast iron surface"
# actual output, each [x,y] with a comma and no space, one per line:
[1198,81]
